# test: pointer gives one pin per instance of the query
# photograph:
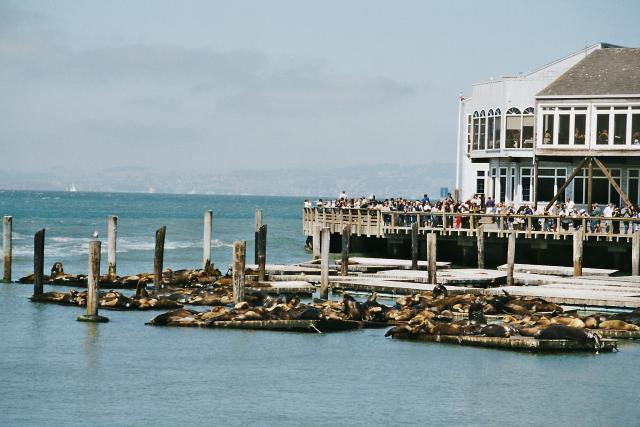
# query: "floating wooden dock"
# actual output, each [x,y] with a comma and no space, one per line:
[573,296]
[457,277]
[514,343]
[368,284]
[367,264]
[317,326]
[557,270]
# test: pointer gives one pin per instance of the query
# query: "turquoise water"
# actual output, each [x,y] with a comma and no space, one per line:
[57,371]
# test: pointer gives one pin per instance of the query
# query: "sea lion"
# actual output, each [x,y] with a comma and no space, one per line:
[352,308]
[57,270]
[591,322]
[498,331]
[446,329]
[141,289]
[398,330]
[310,313]
[618,325]
[562,332]
[476,313]
[440,291]
[180,316]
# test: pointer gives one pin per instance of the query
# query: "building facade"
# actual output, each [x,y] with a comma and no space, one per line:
[525,136]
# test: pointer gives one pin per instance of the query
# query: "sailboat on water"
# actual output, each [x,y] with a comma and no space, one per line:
[72,189]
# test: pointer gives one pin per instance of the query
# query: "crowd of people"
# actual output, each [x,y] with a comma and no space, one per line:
[563,215]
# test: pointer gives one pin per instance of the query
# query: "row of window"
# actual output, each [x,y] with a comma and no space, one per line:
[484,130]
[615,126]
[503,185]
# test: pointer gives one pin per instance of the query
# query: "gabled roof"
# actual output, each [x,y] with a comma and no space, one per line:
[609,71]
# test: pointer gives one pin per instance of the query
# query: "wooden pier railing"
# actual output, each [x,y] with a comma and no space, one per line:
[376,223]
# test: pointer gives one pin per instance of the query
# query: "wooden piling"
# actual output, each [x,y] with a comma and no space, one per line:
[112,233]
[258,224]
[93,276]
[206,242]
[324,262]
[635,254]
[316,240]
[7,226]
[239,257]
[38,263]
[414,245]
[480,243]
[578,240]
[432,257]
[262,252]
[511,257]
[159,256]
[344,258]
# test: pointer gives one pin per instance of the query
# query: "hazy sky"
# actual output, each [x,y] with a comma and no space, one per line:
[204,85]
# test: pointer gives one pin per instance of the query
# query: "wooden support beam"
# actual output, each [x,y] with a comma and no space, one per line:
[511,257]
[578,240]
[262,252]
[480,243]
[414,246]
[93,277]
[535,183]
[239,262]
[566,183]
[158,258]
[612,181]
[7,232]
[206,240]
[432,256]
[38,263]
[315,242]
[324,262]
[112,236]
[258,224]
[635,253]
[344,258]
[590,187]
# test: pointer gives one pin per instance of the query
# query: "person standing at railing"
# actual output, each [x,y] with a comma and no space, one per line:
[594,224]
[607,212]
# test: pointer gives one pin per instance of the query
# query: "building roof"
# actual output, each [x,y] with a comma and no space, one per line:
[610,71]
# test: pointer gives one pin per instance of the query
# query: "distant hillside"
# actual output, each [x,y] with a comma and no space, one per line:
[381,180]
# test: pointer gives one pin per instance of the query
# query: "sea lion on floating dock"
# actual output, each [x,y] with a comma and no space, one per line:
[497,331]
[618,325]
[57,270]
[476,313]
[440,291]
[562,332]
[352,308]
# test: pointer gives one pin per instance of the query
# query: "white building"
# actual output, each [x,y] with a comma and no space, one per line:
[524,136]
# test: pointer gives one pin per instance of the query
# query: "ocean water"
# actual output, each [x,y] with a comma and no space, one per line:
[57,371]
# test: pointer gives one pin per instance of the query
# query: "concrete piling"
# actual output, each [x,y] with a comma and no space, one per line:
[414,245]
[316,240]
[480,244]
[239,260]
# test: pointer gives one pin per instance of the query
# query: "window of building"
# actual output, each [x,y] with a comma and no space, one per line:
[635,129]
[563,129]
[580,127]
[498,124]
[549,181]
[547,125]
[633,186]
[512,188]
[483,131]
[514,128]
[490,130]
[503,184]
[469,133]
[620,129]
[602,191]
[480,182]
[476,130]
[602,129]
[493,183]
[525,183]
[527,128]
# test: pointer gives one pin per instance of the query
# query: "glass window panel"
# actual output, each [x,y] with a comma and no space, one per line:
[526,188]
[635,129]
[561,172]
[527,131]
[545,189]
[547,137]
[633,173]
[579,129]
[525,171]
[503,188]
[546,172]
[483,127]
[476,131]
[480,186]
[602,128]
[600,192]
[497,126]
[513,131]
[620,129]
[633,191]
[563,129]
[578,190]
[490,136]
